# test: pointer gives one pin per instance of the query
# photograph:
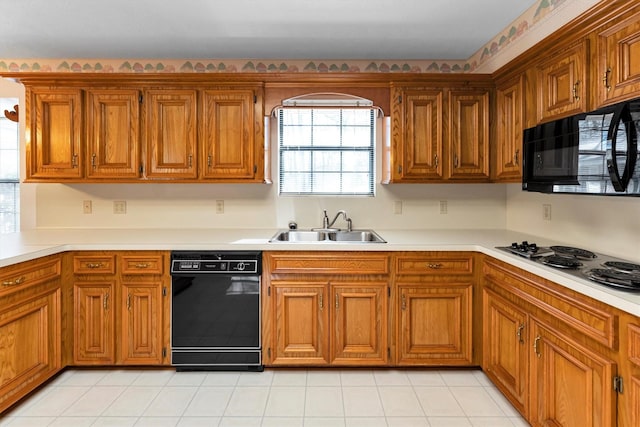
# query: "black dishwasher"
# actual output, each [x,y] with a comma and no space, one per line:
[215,310]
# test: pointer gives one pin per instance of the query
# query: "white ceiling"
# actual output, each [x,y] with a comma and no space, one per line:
[276,29]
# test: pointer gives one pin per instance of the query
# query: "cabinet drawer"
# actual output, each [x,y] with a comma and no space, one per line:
[436,264]
[28,274]
[146,264]
[338,263]
[634,344]
[94,264]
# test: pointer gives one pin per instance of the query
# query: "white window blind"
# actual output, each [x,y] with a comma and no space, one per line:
[326,151]
[9,170]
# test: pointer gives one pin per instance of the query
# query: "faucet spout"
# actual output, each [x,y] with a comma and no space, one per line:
[329,224]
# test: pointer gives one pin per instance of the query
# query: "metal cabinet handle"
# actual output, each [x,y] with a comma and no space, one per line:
[337,300]
[576,97]
[74,161]
[515,156]
[93,265]
[142,265]
[321,302]
[93,160]
[190,160]
[209,160]
[435,266]
[404,302]
[455,160]
[605,79]
[105,301]
[129,302]
[399,168]
[435,160]
[535,346]
[519,333]
[14,282]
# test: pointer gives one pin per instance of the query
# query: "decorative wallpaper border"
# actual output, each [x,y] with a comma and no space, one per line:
[152,66]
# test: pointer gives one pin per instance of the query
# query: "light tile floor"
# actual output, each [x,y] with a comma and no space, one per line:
[278,398]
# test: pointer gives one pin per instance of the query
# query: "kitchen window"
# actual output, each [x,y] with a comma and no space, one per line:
[9,170]
[326,148]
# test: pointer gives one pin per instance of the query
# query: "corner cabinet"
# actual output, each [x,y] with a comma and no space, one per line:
[54,137]
[439,134]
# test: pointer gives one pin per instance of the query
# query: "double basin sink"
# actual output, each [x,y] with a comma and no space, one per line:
[327,235]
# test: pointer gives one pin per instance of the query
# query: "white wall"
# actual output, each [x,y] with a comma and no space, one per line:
[606,224]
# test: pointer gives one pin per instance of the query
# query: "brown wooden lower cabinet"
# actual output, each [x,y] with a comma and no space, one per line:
[94,323]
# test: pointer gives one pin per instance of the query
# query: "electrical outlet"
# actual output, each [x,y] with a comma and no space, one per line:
[546,212]
[397,207]
[119,207]
[444,208]
[219,206]
[87,207]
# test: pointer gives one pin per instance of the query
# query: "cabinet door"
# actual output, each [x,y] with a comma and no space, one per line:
[301,323]
[505,349]
[228,135]
[618,66]
[141,334]
[469,135]
[359,335]
[434,325]
[170,134]
[53,146]
[417,135]
[113,134]
[29,345]
[562,83]
[94,323]
[509,127]
[571,385]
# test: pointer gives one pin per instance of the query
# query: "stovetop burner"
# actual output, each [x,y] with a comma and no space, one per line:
[574,252]
[616,279]
[627,267]
[560,261]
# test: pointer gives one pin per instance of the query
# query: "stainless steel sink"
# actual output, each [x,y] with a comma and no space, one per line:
[330,236]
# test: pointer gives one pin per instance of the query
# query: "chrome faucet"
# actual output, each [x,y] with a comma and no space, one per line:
[326,224]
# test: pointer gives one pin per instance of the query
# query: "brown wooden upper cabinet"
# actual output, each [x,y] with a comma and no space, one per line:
[113,134]
[145,134]
[509,126]
[434,143]
[171,134]
[563,83]
[617,61]
[229,141]
[54,140]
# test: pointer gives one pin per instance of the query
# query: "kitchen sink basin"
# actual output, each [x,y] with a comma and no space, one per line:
[330,236]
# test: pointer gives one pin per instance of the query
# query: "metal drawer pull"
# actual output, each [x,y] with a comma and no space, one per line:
[515,156]
[94,265]
[605,79]
[435,266]
[535,346]
[404,302]
[15,282]
[105,301]
[337,301]
[519,333]
[576,97]
[129,302]
[321,302]
[142,265]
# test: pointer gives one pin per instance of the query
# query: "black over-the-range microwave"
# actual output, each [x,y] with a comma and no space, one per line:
[589,153]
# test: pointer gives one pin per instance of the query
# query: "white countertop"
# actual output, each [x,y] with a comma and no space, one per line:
[28,245]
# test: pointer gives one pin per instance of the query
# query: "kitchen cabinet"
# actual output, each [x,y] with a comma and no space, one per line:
[30,327]
[618,68]
[439,133]
[231,145]
[564,344]
[113,133]
[570,384]
[434,305]
[509,126]
[505,350]
[468,134]
[417,134]
[563,82]
[118,308]
[171,134]
[326,309]
[54,135]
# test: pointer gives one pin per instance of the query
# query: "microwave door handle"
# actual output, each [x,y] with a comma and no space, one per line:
[620,182]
